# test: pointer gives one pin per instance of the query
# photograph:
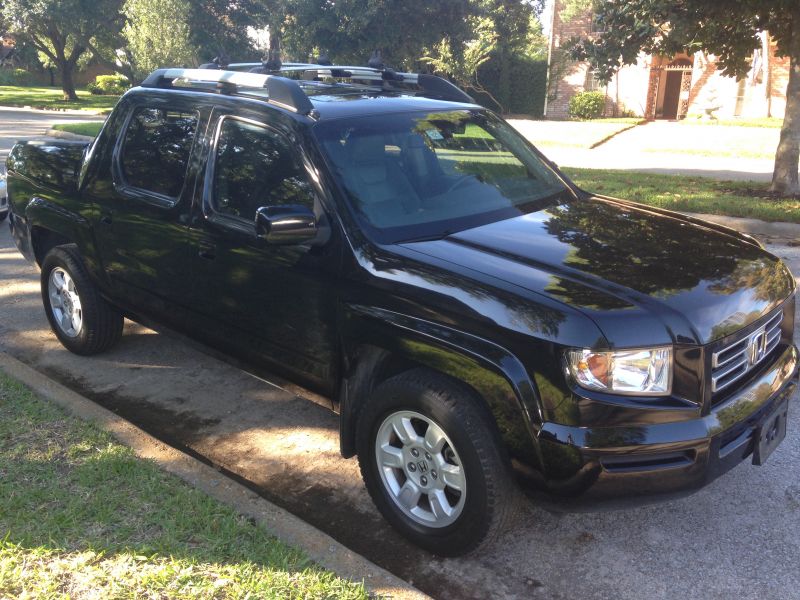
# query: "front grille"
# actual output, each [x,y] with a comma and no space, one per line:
[732,362]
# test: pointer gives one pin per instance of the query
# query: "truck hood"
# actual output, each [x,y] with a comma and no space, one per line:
[624,265]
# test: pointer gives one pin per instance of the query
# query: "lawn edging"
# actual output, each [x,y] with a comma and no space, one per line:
[318,546]
[610,136]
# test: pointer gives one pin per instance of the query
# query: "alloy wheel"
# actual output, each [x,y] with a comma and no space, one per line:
[420,468]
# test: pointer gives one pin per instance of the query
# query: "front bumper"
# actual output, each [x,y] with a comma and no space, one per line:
[624,464]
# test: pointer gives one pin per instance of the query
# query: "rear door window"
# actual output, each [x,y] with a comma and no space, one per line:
[156,148]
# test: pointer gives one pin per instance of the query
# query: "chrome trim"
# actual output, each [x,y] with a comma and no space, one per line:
[745,354]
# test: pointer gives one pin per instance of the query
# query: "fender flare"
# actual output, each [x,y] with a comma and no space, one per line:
[381,343]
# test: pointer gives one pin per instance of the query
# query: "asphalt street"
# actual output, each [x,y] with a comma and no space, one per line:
[737,537]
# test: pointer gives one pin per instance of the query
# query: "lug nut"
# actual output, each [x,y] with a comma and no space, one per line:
[414,452]
[412,467]
[434,474]
[428,456]
[423,480]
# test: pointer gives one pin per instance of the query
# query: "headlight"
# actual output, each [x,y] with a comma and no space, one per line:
[640,372]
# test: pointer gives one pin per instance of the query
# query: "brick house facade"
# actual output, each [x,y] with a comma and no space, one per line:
[665,87]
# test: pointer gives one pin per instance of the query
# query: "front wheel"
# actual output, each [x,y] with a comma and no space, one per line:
[81,319]
[431,463]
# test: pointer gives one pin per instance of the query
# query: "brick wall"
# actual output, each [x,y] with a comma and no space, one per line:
[778,80]
[571,75]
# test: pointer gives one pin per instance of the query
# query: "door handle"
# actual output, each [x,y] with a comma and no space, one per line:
[106,219]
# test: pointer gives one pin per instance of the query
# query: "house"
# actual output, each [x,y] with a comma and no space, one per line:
[7,51]
[665,87]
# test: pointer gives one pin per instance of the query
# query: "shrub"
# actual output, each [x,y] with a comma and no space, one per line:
[587,105]
[16,77]
[108,85]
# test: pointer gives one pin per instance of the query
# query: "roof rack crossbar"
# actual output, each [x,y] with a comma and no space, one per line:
[287,92]
[432,85]
[280,90]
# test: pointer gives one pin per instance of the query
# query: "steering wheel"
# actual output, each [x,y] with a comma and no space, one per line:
[459,182]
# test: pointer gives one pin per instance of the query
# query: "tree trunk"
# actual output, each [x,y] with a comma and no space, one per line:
[67,83]
[785,177]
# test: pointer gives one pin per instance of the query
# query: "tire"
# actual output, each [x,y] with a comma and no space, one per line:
[3,216]
[68,290]
[467,455]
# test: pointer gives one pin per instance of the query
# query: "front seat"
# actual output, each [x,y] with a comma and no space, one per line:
[380,188]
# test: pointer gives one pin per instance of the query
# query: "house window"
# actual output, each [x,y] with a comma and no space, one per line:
[593,82]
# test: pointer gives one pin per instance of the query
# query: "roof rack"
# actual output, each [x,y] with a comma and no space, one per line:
[280,90]
[287,92]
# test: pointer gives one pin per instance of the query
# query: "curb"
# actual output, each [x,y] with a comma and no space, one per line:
[769,229]
[66,135]
[318,546]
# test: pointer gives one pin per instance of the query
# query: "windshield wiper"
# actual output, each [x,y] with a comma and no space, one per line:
[426,238]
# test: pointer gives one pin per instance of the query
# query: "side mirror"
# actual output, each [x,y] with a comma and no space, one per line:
[289,224]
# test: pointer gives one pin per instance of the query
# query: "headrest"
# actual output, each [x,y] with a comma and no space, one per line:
[367,148]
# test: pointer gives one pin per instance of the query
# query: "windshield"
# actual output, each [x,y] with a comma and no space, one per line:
[425,175]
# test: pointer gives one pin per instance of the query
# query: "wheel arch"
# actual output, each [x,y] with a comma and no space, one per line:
[384,344]
[43,240]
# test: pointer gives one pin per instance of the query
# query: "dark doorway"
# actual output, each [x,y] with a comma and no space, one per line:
[672,92]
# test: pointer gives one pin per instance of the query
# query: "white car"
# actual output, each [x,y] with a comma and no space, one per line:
[3,197]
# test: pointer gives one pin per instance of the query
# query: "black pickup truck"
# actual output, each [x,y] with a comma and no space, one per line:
[476,319]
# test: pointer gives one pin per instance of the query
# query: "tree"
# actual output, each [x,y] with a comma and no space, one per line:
[60,29]
[462,63]
[500,34]
[729,30]
[350,30]
[157,35]
[220,27]
[215,28]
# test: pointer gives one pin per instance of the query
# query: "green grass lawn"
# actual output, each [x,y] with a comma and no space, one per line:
[90,129]
[690,194]
[52,98]
[82,517]
[769,122]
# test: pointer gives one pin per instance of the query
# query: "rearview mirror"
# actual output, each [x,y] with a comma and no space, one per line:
[289,224]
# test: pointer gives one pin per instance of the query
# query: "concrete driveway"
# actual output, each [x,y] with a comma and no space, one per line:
[736,538]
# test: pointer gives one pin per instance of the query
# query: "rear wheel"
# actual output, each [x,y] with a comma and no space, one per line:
[432,464]
[83,322]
